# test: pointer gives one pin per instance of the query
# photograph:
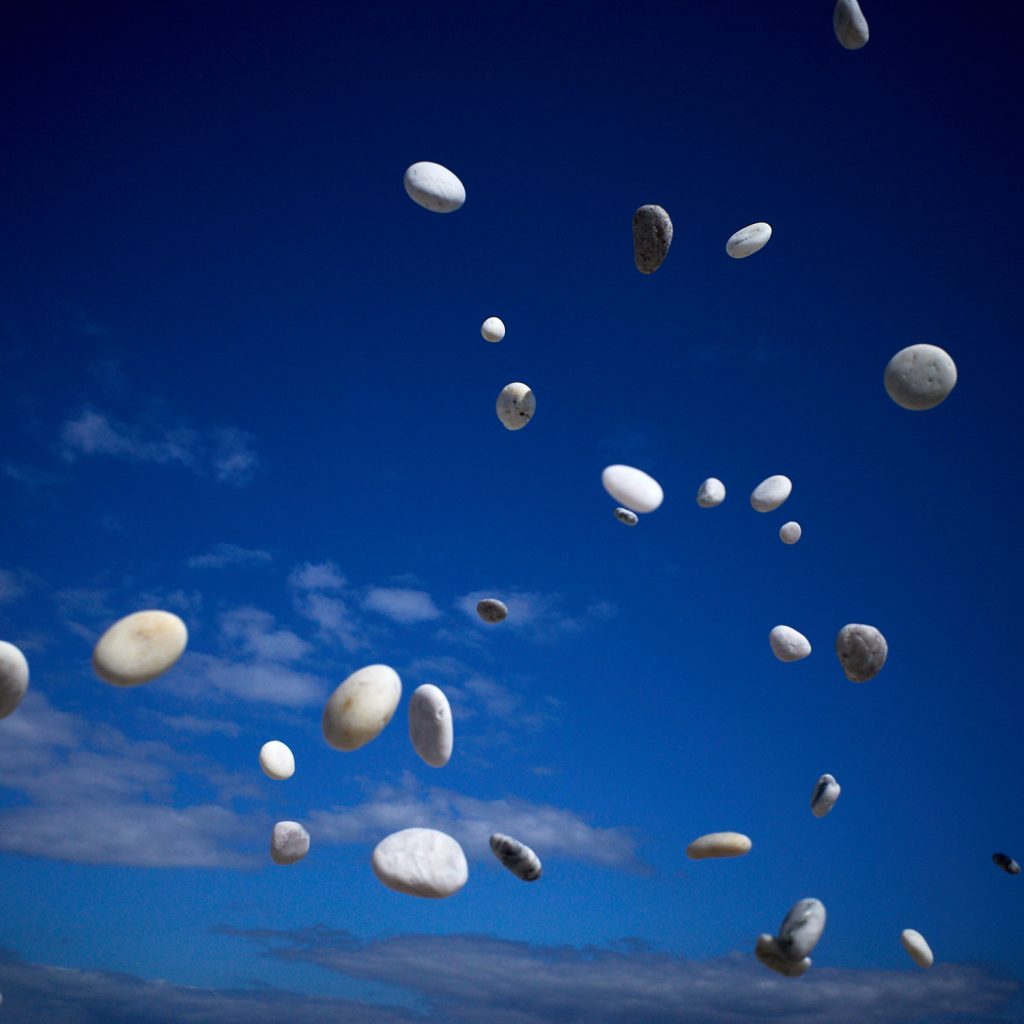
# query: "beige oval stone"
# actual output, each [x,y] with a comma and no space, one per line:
[139,648]
[916,946]
[719,844]
[361,707]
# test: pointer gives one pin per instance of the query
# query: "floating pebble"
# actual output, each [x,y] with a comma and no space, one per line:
[421,862]
[801,929]
[652,235]
[492,329]
[625,516]
[516,406]
[430,725]
[711,493]
[769,494]
[768,952]
[851,27]
[826,793]
[920,377]
[1008,864]
[13,677]
[434,187]
[748,240]
[516,856]
[289,842]
[491,610]
[361,706]
[789,533]
[719,844]
[632,487]
[277,760]
[139,647]
[862,651]
[787,644]
[919,950]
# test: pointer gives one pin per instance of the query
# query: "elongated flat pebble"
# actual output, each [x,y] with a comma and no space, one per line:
[652,236]
[491,610]
[790,533]
[516,856]
[862,651]
[769,494]
[748,240]
[920,377]
[421,862]
[851,27]
[826,793]
[632,488]
[361,707]
[1007,863]
[277,760]
[430,725]
[625,516]
[768,952]
[492,329]
[434,187]
[711,493]
[515,406]
[289,842]
[919,950]
[13,677]
[801,929]
[719,844]
[787,644]
[139,647]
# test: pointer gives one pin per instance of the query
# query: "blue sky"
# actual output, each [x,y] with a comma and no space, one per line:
[245,382]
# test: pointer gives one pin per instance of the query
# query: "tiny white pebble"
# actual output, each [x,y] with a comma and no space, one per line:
[789,533]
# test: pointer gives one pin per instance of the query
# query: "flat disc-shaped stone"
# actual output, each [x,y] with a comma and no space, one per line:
[711,493]
[768,952]
[289,842]
[361,707]
[862,651]
[139,647]
[491,610]
[801,929]
[652,236]
[13,677]
[516,856]
[421,862]
[920,377]
[719,844]
[632,487]
[434,187]
[919,950]
[277,760]
[748,240]
[430,725]
[826,793]
[787,644]
[515,406]
[769,494]
[851,27]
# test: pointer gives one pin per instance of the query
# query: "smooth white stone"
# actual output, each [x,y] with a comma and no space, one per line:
[277,760]
[421,862]
[13,677]
[719,844]
[515,406]
[769,494]
[652,236]
[434,187]
[862,651]
[491,610]
[851,27]
[748,240]
[801,929]
[768,952]
[920,377]
[711,493]
[826,793]
[787,644]
[361,706]
[632,488]
[919,950]
[430,725]
[790,533]
[517,857]
[625,516]
[492,329]
[289,842]
[139,647]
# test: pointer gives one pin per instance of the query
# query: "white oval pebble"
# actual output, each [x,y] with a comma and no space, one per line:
[517,857]
[491,610]
[633,488]
[769,494]
[434,187]
[361,706]
[289,842]
[920,377]
[421,862]
[768,952]
[430,725]
[13,677]
[850,25]
[748,240]
[652,236]
[139,647]
[862,651]
[790,533]
[826,793]
[277,760]
[711,493]
[625,516]
[492,329]
[515,406]
[787,644]
[801,929]
[919,950]
[719,844]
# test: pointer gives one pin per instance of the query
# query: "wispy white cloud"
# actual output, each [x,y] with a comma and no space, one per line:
[205,677]
[401,605]
[11,587]
[222,555]
[317,594]
[200,726]
[253,633]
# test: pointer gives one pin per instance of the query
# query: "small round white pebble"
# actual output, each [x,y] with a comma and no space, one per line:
[919,950]
[787,644]
[790,533]
[920,377]
[492,329]
[430,725]
[13,677]
[515,406]
[277,760]
[826,793]
[361,707]
[421,862]
[850,25]
[769,494]
[289,842]
[711,493]
[633,488]
[625,516]
[491,610]
[139,648]
[719,844]
[748,240]
[434,187]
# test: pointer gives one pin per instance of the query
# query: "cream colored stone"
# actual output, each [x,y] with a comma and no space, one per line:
[277,760]
[719,844]
[919,950]
[139,648]
[13,677]
[421,862]
[790,533]
[361,707]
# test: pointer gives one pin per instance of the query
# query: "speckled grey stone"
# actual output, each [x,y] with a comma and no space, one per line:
[768,952]
[920,377]
[801,929]
[516,856]
[862,651]
[491,610]
[826,793]
[289,842]
[515,406]
[851,27]
[625,516]
[652,236]
[1007,863]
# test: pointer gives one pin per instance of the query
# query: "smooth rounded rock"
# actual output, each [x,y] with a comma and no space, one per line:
[850,25]
[421,862]
[139,648]
[289,842]
[516,856]
[787,644]
[748,240]
[719,844]
[434,187]
[515,406]
[919,950]
[801,929]
[492,329]
[769,494]
[361,707]
[862,651]
[826,793]
[430,725]
[625,516]
[711,493]
[13,677]
[1007,863]
[277,760]
[652,236]
[632,488]
[790,533]
[491,610]
[920,377]
[768,952]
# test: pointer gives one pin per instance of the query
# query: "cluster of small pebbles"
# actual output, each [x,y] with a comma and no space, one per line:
[788,953]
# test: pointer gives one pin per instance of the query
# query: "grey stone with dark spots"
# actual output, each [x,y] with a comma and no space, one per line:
[862,651]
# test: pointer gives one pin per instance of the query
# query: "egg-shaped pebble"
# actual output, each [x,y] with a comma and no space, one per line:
[1006,862]
[919,950]
[920,377]
[13,677]
[633,488]
[430,725]
[139,647]
[719,844]
[851,27]
[787,644]
[277,760]
[801,929]
[625,516]
[652,236]
[862,651]
[492,329]
[768,952]
[515,406]
[711,493]
[748,240]
[421,862]
[434,187]
[361,706]
[516,856]
[826,793]
[491,610]
[769,494]
[289,842]
[790,533]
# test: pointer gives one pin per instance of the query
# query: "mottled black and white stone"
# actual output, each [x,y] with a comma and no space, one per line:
[769,494]
[920,377]
[788,644]
[825,795]
[862,651]
[515,406]
[1007,863]
[516,856]
[768,952]
[652,235]
[430,725]
[916,946]
[13,677]
[801,929]
[491,610]
[851,27]
[625,516]
[288,843]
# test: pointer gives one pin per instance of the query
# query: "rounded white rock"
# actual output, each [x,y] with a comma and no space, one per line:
[515,406]
[748,240]
[13,677]
[361,707]
[768,952]
[277,760]
[826,793]
[862,651]
[492,329]
[289,842]
[790,533]
[625,516]
[801,929]
[434,187]
[711,493]
[719,844]
[633,488]
[787,644]
[430,725]
[421,862]
[919,950]
[491,610]
[850,25]
[769,494]
[139,648]
[920,377]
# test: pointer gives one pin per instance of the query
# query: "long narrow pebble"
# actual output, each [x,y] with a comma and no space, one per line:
[787,644]
[277,760]
[430,725]
[748,240]
[13,677]
[139,648]
[711,493]
[850,25]
[769,494]
[919,950]
[516,856]
[515,406]
[719,844]
[361,707]
[434,187]
[420,862]
[632,487]
[862,651]
[790,533]
[652,236]
[826,793]
[289,842]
